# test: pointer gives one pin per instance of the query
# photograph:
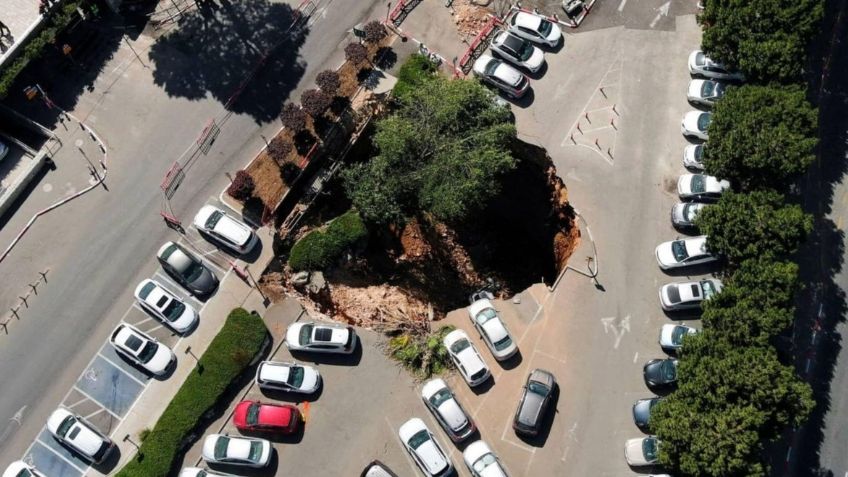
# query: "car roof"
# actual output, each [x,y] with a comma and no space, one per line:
[271,371]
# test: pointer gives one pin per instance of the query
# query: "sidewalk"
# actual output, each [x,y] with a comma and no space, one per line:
[232,293]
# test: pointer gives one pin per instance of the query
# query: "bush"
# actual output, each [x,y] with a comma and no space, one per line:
[413,73]
[315,102]
[356,53]
[374,31]
[293,117]
[279,149]
[328,81]
[242,186]
[423,355]
[320,248]
[244,334]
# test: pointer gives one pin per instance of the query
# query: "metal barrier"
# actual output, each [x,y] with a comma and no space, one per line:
[479,43]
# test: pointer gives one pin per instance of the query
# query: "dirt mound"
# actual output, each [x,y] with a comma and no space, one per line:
[470,17]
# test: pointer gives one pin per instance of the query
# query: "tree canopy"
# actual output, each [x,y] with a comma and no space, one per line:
[729,402]
[765,39]
[442,152]
[761,136]
[752,225]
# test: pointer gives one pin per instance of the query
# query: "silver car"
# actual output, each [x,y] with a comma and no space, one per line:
[705,92]
[422,445]
[688,295]
[642,451]
[696,124]
[671,335]
[701,65]
[693,157]
[500,75]
[683,214]
[441,401]
[517,51]
[701,187]
[491,327]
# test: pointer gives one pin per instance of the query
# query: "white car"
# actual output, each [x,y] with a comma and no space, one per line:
[688,295]
[642,451]
[79,435]
[466,358]
[493,330]
[684,252]
[289,377]
[482,462]
[671,335]
[701,65]
[696,124]
[500,75]
[440,400]
[233,234]
[424,448]
[705,92]
[198,472]
[700,187]
[246,451]
[693,157]
[517,51]
[164,305]
[683,213]
[142,349]
[321,337]
[535,28]
[20,468]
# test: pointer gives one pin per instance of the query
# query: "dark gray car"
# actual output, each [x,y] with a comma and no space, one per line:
[534,403]
[660,373]
[642,412]
[187,269]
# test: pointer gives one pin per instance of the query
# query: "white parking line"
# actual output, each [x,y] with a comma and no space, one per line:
[70,406]
[93,414]
[70,462]
[157,327]
[621,5]
[121,369]
[119,418]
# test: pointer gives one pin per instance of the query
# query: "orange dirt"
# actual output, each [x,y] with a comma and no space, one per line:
[469,18]
[265,172]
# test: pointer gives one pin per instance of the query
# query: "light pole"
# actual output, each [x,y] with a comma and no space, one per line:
[196,360]
[388,10]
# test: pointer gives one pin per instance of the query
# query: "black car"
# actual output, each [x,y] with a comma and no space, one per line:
[642,412]
[660,373]
[187,269]
[534,403]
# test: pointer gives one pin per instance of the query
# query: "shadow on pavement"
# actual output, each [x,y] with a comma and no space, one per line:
[333,359]
[218,47]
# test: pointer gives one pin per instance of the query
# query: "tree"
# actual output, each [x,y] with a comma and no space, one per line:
[762,136]
[757,224]
[765,39]
[756,303]
[356,53]
[242,186]
[729,402]
[374,31]
[328,81]
[315,102]
[293,117]
[441,152]
[279,149]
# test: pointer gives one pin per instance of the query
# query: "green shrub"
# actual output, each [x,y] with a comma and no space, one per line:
[424,355]
[227,357]
[414,72]
[320,248]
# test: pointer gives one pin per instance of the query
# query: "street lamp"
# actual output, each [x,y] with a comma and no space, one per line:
[196,360]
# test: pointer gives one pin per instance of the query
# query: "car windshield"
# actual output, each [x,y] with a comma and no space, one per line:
[503,344]
[221,447]
[649,449]
[305,335]
[485,315]
[699,153]
[668,370]
[538,388]
[484,462]
[699,183]
[255,451]
[147,353]
[678,334]
[690,211]
[193,271]
[213,219]
[295,378]
[708,288]
[678,248]
[460,345]
[419,438]
[252,414]
[490,68]
[440,397]
[545,27]
[704,121]
[65,426]
[174,310]
[713,89]
[526,51]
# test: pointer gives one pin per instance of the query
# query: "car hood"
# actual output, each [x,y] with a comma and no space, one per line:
[666,333]
[666,293]
[555,34]
[431,457]
[677,212]
[695,86]
[536,59]
[696,59]
[160,361]
[88,441]
[186,320]
[642,411]
[205,283]
[311,378]
[690,120]
[664,254]
[293,334]
[452,414]
[508,74]
[689,153]
[633,451]
[684,184]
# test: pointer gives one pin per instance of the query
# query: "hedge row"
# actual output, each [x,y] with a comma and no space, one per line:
[227,357]
[320,248]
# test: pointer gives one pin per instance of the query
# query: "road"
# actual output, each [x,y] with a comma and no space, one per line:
[99,246]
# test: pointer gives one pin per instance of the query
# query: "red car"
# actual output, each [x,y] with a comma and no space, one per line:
[257,416]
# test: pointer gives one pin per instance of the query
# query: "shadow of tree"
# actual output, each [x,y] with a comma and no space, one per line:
[240,53]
